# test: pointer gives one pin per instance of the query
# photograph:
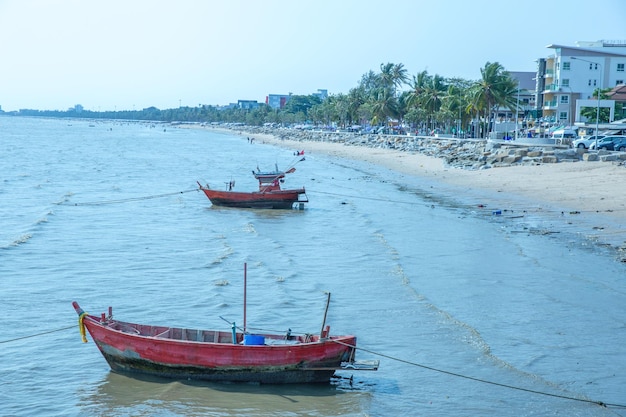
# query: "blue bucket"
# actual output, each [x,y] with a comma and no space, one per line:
[253,340]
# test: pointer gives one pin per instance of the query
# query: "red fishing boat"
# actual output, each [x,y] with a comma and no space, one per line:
[269,196]
[214,355]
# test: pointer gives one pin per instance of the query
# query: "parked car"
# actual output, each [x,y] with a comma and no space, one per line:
[583,143]
[606,142]
[620,145]
[564,134]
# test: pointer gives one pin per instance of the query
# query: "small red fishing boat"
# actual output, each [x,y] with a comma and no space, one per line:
[213,355]
[269,196]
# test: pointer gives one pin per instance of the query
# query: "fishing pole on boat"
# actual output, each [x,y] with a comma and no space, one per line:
[231,323]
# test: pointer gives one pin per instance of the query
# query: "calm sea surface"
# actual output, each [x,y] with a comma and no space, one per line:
[107,214]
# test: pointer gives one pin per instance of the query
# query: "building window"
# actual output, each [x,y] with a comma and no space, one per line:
[595,82]
[564,99]
[562,115]
[566,66]
[589,83]
[565,82]
[618,82]
[620,67]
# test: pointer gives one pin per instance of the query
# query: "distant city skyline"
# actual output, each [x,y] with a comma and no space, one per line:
[131,55]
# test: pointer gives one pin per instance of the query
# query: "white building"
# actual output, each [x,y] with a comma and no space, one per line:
[567,79]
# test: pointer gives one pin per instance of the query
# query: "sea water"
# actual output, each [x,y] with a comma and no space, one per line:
[469,313]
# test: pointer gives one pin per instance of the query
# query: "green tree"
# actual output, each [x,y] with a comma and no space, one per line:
[433,95]
[591,112]
[384,106]
[455,102]
[417,87]
[301,104]
[495,88]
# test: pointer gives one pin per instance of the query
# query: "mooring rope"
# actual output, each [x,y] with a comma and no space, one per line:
[125,200]
[430,368]
[37,334]
[530,209]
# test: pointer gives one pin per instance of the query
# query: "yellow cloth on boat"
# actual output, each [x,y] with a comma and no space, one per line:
[81,327]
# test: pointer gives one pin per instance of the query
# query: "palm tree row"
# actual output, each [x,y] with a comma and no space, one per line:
[429,102]
[389,98]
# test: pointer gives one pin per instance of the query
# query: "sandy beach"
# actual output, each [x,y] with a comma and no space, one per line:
[589,192]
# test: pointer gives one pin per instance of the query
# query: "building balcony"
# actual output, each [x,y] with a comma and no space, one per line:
[550,105]
[552,88]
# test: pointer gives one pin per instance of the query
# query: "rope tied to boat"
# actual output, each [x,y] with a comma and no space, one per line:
[458,375]
[81,326]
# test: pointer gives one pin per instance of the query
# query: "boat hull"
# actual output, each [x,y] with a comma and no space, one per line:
[280,199]
[184,354]
[266,375]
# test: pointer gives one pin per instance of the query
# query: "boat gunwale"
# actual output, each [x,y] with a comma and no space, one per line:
[95,320]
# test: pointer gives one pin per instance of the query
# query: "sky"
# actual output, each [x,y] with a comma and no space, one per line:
[133,54]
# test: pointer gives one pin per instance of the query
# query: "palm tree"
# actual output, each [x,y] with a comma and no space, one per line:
[393,76]
[417,88]
[386,76]
[400,76]
[369,81]
[356,97]
[495,88]
[432,96]
[455,102]
[384,106]
[341,106]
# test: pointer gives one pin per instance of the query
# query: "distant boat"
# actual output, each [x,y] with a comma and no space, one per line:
[213,355]
[269,196]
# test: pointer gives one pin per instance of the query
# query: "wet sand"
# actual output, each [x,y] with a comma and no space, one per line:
[584,191]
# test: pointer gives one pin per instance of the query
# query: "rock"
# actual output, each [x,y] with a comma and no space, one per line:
[549,159]
[512,159]
[608,158]
[471,154]
[590,157]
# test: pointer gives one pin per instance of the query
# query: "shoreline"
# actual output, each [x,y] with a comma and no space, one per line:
[585,193]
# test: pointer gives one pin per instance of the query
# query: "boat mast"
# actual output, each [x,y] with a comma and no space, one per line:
[325,313]
[245,284]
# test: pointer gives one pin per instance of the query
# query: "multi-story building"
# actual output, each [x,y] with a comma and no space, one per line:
[567,79]
[525,96]
[247,104]
[321,94]
[277,101]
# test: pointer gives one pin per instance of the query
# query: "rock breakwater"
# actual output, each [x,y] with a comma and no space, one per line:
[472,154]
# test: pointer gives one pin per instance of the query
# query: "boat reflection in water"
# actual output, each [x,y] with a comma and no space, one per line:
[156,396]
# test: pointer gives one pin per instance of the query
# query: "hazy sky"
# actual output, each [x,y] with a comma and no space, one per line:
[125,54]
